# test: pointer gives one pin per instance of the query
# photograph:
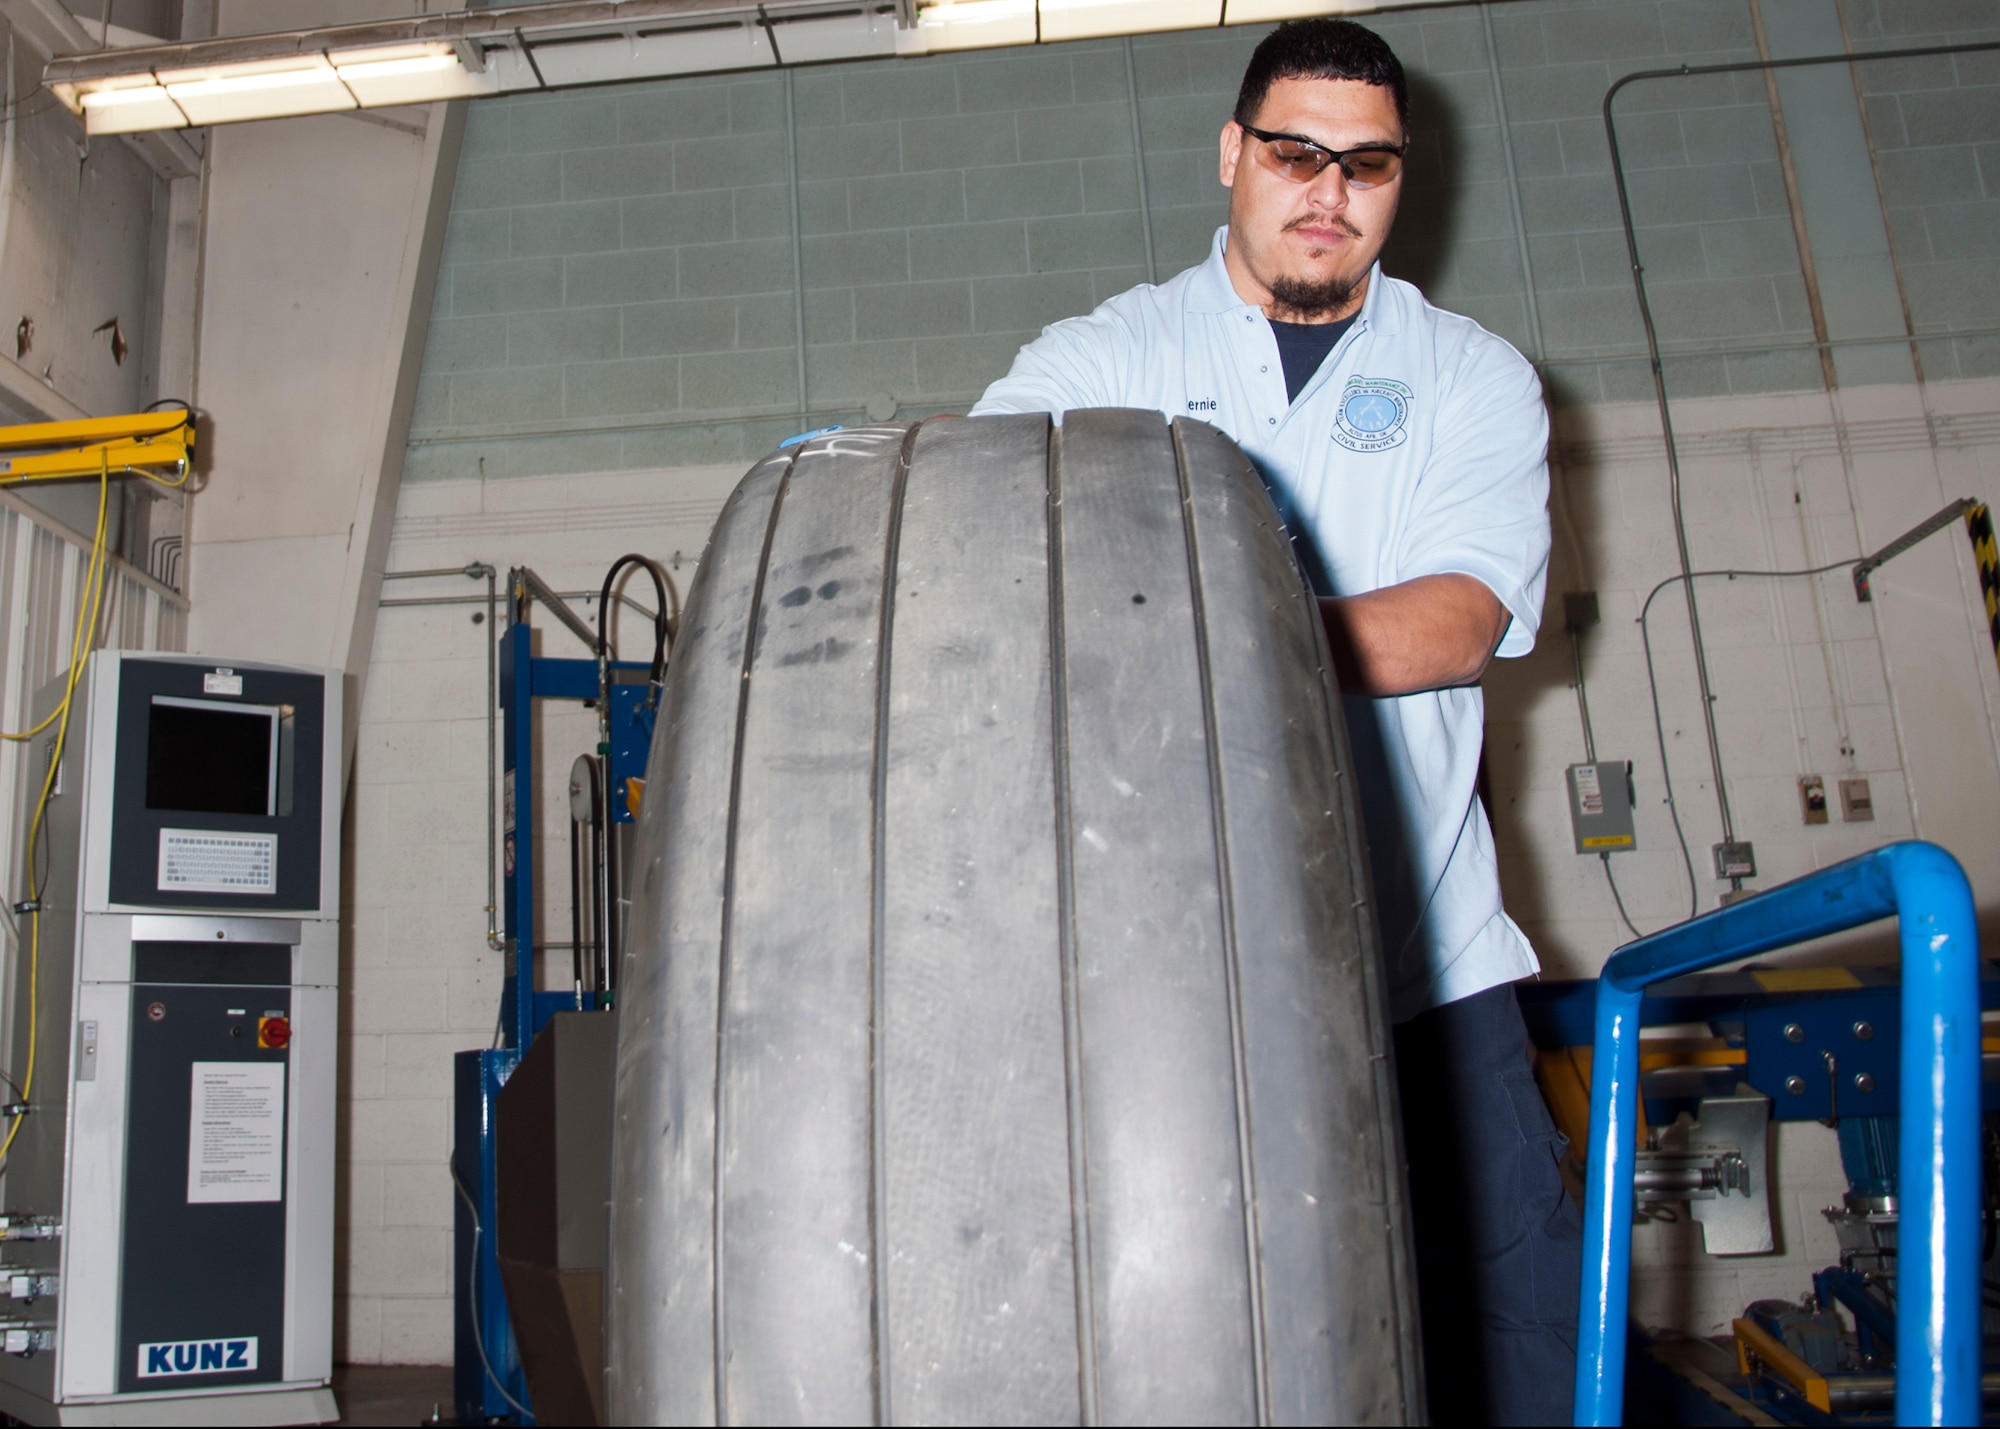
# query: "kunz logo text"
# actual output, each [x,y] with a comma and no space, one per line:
[178,1357]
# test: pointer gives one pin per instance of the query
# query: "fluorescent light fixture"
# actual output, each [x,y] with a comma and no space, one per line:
[555,44]
[1094,19]
[274,88]
[268,89]
[976,24]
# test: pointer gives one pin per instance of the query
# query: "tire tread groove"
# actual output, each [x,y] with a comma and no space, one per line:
[1079,1174]
[878,1161]
[1232,970]
[751,631]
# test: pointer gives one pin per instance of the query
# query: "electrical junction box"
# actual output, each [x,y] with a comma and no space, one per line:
[1601,800]
[1735,859]
[1857,805]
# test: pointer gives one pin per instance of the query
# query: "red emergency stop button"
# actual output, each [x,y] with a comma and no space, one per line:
[274,1031]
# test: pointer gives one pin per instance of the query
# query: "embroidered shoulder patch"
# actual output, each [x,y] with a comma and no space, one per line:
[1373,415]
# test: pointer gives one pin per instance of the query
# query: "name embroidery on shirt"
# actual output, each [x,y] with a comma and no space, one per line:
[1202,404]
[1373,414]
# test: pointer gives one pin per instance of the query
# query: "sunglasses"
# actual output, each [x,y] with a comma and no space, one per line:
[1295,157]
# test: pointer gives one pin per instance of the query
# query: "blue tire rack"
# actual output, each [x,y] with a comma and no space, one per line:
[488,1381]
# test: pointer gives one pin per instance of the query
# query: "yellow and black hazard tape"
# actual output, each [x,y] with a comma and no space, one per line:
[1986,555]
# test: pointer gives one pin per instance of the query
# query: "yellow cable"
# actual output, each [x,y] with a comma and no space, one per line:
[80,644]
[31,733]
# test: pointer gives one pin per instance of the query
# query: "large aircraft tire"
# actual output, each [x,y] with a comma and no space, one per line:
[1001,1032]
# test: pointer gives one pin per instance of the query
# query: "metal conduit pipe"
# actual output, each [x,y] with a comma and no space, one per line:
[583,595]
[1139,162]
[1654,355]
[798,238]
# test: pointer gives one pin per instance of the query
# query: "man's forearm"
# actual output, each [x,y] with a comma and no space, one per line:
[1425,634]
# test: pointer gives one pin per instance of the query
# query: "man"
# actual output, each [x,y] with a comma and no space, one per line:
[1407,447]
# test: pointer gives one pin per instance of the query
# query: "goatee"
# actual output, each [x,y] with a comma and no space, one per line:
[1299,300]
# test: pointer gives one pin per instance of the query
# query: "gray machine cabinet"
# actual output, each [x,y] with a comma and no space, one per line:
[187,907]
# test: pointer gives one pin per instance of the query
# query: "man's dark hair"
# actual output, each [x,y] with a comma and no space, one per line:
[1321,48]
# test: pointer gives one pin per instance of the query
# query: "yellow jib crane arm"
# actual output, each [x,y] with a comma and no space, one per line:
[54,451]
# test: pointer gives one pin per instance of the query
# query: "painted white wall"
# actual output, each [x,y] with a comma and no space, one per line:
[1806,679]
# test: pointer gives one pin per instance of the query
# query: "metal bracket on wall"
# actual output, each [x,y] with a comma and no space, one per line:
[1965,506]
[1718,1165]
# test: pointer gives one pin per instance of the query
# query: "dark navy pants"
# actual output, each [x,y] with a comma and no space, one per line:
[1499,1242]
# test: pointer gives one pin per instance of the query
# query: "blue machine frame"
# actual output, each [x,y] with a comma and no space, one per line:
[483,1383]
[1938,1335]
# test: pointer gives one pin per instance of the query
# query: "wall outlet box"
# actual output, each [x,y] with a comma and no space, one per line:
[1601,797]
[1812,798]
[1857,806]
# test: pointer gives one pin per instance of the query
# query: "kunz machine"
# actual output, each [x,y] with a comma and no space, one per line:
[168,1236]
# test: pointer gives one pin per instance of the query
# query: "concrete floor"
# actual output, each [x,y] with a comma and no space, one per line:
[393,1394]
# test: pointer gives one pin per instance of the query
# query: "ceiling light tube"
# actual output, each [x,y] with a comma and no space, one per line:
[409,74]
[1262,12]
[977,24]
[269,89]
[129,108]
[1094,19]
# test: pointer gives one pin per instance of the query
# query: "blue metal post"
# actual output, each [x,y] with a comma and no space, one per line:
[517,1006]
[1937,1264]
[486,1360]
[1937,1351]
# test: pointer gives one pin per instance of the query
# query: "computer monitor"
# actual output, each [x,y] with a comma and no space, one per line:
[205,757]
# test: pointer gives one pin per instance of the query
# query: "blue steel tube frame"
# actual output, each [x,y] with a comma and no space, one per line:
[1938,1324]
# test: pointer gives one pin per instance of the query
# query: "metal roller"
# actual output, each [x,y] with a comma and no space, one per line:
[1002,1035]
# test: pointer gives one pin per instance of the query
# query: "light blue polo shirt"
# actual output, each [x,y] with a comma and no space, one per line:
[1419,448]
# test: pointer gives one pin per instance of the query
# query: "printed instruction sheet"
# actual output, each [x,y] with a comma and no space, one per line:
[236,1132]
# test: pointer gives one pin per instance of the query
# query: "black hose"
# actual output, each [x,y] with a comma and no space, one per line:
[599,889]
[659,619]
[576,910]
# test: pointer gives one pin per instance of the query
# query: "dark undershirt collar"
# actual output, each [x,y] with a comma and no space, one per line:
[1302,347]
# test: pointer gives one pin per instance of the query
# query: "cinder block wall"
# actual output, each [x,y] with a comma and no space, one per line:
[618,332]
